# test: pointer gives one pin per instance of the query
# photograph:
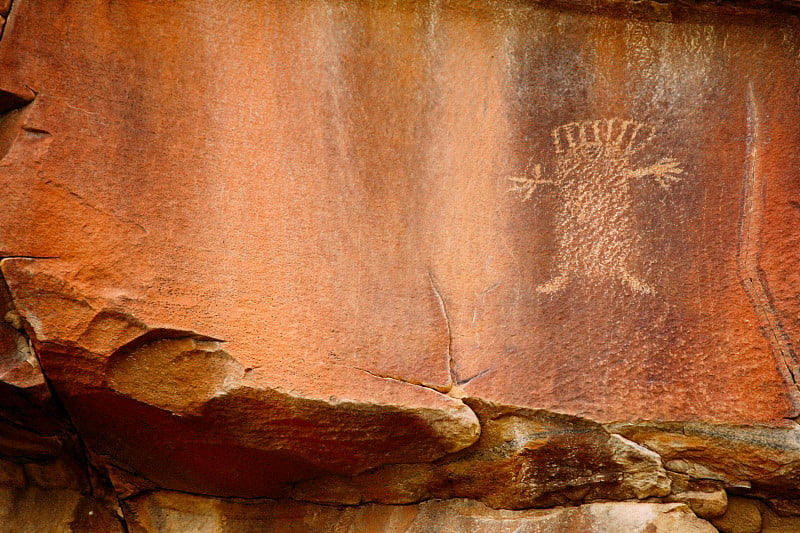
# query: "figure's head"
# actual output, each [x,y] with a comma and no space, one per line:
[598,148]
[610,134]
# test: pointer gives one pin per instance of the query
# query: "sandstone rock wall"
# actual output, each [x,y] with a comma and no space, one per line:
[333,265]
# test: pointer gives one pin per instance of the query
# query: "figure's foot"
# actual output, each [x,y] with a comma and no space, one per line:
[636,284]
[553,285]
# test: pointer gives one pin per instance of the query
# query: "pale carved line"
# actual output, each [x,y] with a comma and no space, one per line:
[749,255]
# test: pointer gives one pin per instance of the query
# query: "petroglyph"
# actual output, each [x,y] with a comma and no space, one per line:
[597,236]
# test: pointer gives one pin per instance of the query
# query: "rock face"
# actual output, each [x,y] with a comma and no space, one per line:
[527,254]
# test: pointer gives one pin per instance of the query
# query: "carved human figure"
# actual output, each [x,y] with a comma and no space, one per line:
[597,236]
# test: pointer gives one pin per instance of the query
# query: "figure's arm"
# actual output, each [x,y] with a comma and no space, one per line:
[665,172]
[525,185]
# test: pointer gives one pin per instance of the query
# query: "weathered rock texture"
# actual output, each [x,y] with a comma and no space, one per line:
[165,512]
[522,459]
[528,254]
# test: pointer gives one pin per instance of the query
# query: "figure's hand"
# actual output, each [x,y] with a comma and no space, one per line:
[665,172]
[525,185]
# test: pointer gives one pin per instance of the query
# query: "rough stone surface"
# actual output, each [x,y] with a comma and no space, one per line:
[740,457]
[743,515]
[774,523]
[37,510]
[706,498]
[166,513]
[32,511]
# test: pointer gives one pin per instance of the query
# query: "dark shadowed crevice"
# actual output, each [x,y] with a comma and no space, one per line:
[51,420]
[5,11]
[10,101]
[12,116]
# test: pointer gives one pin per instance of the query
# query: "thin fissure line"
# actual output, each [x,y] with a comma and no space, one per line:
[389,377]
[450,361]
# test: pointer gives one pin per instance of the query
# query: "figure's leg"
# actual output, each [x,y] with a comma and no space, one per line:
[555,284]
[565,262]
